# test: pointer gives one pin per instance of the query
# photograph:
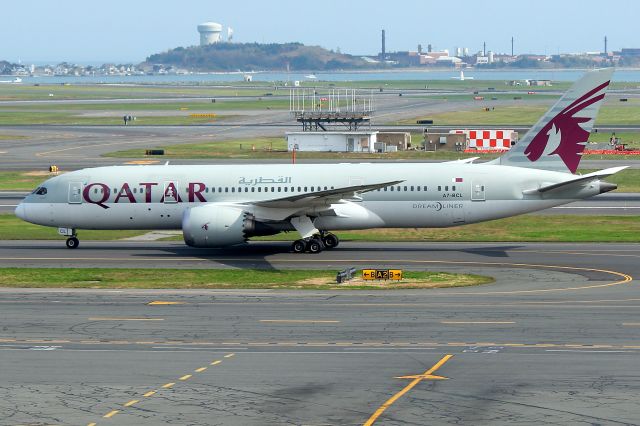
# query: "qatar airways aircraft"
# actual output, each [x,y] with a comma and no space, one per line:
[225,205]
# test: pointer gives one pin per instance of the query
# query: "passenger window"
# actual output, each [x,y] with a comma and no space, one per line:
[325,188]
[293,189]
[226,189]
[253,189]
[279,189]
[286,189]
[405,188]
[453,188]
[446,188]
[246,190]
[259,189]
[424,188]
[233,189]
[412,188]
[391,189]
[385,189]
[305,189]
[439,188]
[299,189]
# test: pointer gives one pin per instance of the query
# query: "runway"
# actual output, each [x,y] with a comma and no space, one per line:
[553,340]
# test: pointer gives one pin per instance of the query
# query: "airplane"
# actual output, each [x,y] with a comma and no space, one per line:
[462,77]
[219,206]
[15,80]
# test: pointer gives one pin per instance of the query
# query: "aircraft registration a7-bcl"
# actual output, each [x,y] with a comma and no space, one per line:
[225,205]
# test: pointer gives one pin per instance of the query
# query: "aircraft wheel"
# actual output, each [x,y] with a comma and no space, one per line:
[330,241]
[72,243]
[299,246]
[315,245]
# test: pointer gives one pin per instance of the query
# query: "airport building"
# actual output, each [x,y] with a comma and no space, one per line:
[354,141]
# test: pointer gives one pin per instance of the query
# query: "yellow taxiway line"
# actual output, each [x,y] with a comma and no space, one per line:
[427,375]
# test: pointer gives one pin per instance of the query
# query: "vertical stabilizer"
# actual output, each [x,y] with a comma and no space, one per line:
[557,140]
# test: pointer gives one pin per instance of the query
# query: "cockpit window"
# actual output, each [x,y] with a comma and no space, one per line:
[41,191]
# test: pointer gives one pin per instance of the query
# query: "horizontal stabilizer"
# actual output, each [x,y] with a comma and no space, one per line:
[462,161]
[581,178]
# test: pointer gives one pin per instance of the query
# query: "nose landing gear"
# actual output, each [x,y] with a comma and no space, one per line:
[72,241]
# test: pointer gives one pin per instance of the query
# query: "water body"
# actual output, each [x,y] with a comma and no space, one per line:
[280,77]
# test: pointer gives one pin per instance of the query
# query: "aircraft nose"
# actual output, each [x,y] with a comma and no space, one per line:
[21,211]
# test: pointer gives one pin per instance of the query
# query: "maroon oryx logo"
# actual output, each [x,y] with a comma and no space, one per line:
[567,128]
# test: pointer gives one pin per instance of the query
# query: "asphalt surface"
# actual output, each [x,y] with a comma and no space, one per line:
[553,341]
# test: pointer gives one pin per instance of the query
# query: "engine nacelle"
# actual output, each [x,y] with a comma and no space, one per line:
[215,225]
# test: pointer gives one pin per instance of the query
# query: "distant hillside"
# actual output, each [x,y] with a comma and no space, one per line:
[254,56]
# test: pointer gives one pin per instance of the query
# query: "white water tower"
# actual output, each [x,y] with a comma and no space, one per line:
[209,33]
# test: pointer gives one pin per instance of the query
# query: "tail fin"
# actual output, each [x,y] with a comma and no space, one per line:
[557,140]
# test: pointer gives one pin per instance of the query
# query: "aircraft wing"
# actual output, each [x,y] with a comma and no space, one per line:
[321,198]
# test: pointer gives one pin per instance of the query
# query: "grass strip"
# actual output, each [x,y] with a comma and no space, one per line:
[220,278]
[13,228]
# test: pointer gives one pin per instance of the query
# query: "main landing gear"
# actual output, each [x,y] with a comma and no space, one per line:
[316,243]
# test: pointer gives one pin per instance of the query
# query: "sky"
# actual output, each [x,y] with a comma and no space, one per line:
[44,31]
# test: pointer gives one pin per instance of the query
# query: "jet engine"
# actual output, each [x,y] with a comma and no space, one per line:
[215,225]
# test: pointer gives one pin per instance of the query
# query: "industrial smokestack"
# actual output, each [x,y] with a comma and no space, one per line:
[383,51]
[605,45]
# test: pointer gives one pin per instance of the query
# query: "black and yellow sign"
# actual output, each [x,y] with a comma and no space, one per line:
[382,274]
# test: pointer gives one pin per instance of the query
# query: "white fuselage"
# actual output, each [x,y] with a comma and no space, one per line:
[430,195]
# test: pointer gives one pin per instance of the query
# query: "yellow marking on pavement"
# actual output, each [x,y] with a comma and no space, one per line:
[185,377]
[200,370]
[148,394]
[416,379]
[164,302]
[130,403]
[303,321]
[477,322]
[142,162]
[168,385]
[215,362]
[124,319]
[92,424]
[111,414]
[229,355]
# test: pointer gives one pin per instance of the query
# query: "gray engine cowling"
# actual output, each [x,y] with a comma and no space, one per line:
[215,226]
